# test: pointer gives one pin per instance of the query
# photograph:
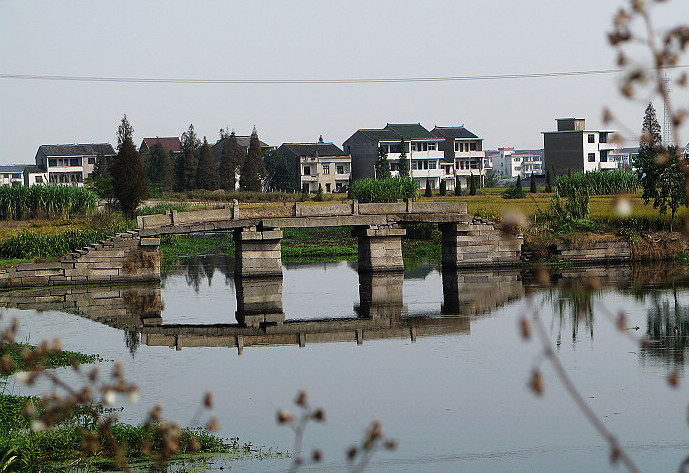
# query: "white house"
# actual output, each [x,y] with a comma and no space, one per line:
[573,147]
[71,164]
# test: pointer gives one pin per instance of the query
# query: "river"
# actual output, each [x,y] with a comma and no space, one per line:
[439,359]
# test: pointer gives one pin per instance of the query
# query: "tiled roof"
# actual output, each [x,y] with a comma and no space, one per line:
[453,132]
[35,169]
[381,134]
[169,143]
[313,149]
[7,168]
[89,149]
[409,130]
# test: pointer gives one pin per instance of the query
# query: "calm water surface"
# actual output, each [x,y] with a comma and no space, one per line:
[446,371]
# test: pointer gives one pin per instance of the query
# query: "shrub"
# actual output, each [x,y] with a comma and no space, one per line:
[384,190]
[429,189]
[514,192]
[443,187]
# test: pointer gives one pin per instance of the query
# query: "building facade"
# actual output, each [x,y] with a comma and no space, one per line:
[511,163]
[171,144]
[71,164]
[574,148]
[319,164]
[432,156]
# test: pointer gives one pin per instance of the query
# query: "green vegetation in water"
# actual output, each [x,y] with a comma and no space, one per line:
[175,247]
[50,360]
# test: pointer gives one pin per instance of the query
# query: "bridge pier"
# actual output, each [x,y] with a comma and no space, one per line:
[380,248]
[380,295]
[257,253]
[478,244]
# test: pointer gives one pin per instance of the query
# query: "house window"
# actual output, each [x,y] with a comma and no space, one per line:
[431,146]
[92,160]
[604,156]
[432,164]
[592,138]
[16,175]
[327,188]
[603,137]
[472,146]
[326,169]
[456,146]
[592,157]
[474,164]
[414,164]
[52,162]
[39,179]
[307,170]
[75,161]
[393,167]
[340,169]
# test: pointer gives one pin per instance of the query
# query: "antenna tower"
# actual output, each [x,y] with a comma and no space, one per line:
[667,135]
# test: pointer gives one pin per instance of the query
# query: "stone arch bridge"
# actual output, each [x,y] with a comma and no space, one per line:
[257,230]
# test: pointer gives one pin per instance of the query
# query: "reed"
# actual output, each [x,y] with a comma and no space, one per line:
[384,190]
[599,182]
[18,203]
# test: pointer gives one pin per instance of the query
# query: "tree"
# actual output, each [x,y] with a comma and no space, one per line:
[403,166]
[429,188]
[231,160]
[382,165]
[548,181]
[491,179]
[253,171]
[161,167]
[187,163]
[519,182]
[458,186]
[129,180]
[472,185]
[532,187]
[207,171]
[280,175]
[658,169]
[443,187]
[101,167]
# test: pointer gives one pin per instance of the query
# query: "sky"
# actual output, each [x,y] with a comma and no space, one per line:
[308,39]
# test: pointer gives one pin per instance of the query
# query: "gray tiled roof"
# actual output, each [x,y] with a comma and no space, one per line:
[453,132]
[313,149]
[89,149]
[8,168]
[381,134]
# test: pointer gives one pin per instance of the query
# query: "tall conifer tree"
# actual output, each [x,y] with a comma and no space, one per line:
[207,172]
[187,163]
[254,170]
[231,160]
[129,179]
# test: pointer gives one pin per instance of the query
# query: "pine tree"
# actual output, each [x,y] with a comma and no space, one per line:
[187,163]
[254,170]
[101,167]
[443,187]
[532,187]
[429,188]
[658,169]
[231,160]
[458,186]
[161,168]
[472,185]
[280,174]
[519,181]
[129,180]
[548,181]
[403,165]
[207,171]
[382,165]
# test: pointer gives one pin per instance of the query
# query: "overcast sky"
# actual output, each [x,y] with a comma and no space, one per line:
[214,39]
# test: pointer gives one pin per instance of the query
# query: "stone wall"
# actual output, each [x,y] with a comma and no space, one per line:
[592,252]
[121,258]
[478,243]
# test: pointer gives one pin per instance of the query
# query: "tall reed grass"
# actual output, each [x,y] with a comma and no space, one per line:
[384,190]
[599,182]
[17,203]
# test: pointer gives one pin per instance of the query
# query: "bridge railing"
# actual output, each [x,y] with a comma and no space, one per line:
[237,211]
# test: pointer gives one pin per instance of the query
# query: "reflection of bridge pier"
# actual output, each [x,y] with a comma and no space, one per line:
[380,295]
[259,301]
[477,292]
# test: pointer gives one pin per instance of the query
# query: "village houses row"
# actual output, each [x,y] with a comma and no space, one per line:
[444,154]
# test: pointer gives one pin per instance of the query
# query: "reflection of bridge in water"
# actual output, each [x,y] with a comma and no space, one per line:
[380,313]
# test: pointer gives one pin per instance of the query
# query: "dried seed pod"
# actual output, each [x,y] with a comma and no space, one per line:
[284,417]
[319,415]
[301,399]
[316,456]
[673,378]
[213,424]
[536,382]
[525,328]
[208,400]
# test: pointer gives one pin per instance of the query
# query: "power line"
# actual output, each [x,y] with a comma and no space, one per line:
[388,80]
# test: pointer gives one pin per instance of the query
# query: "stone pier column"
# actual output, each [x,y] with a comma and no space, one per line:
[380,248]
[257,253]
[478,244]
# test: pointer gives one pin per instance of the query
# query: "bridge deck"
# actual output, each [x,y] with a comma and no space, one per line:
[300,215]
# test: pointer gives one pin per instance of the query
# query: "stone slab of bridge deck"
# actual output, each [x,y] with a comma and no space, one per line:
[258,252]
[380,248]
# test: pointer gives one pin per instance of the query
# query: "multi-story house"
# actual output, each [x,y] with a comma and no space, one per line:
[463,150]
[432,157]
[573,147]
[319,164]
[71,164]
[511,163]
[12,174]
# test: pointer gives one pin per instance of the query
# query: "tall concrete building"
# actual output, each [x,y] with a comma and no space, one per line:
[574,148]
